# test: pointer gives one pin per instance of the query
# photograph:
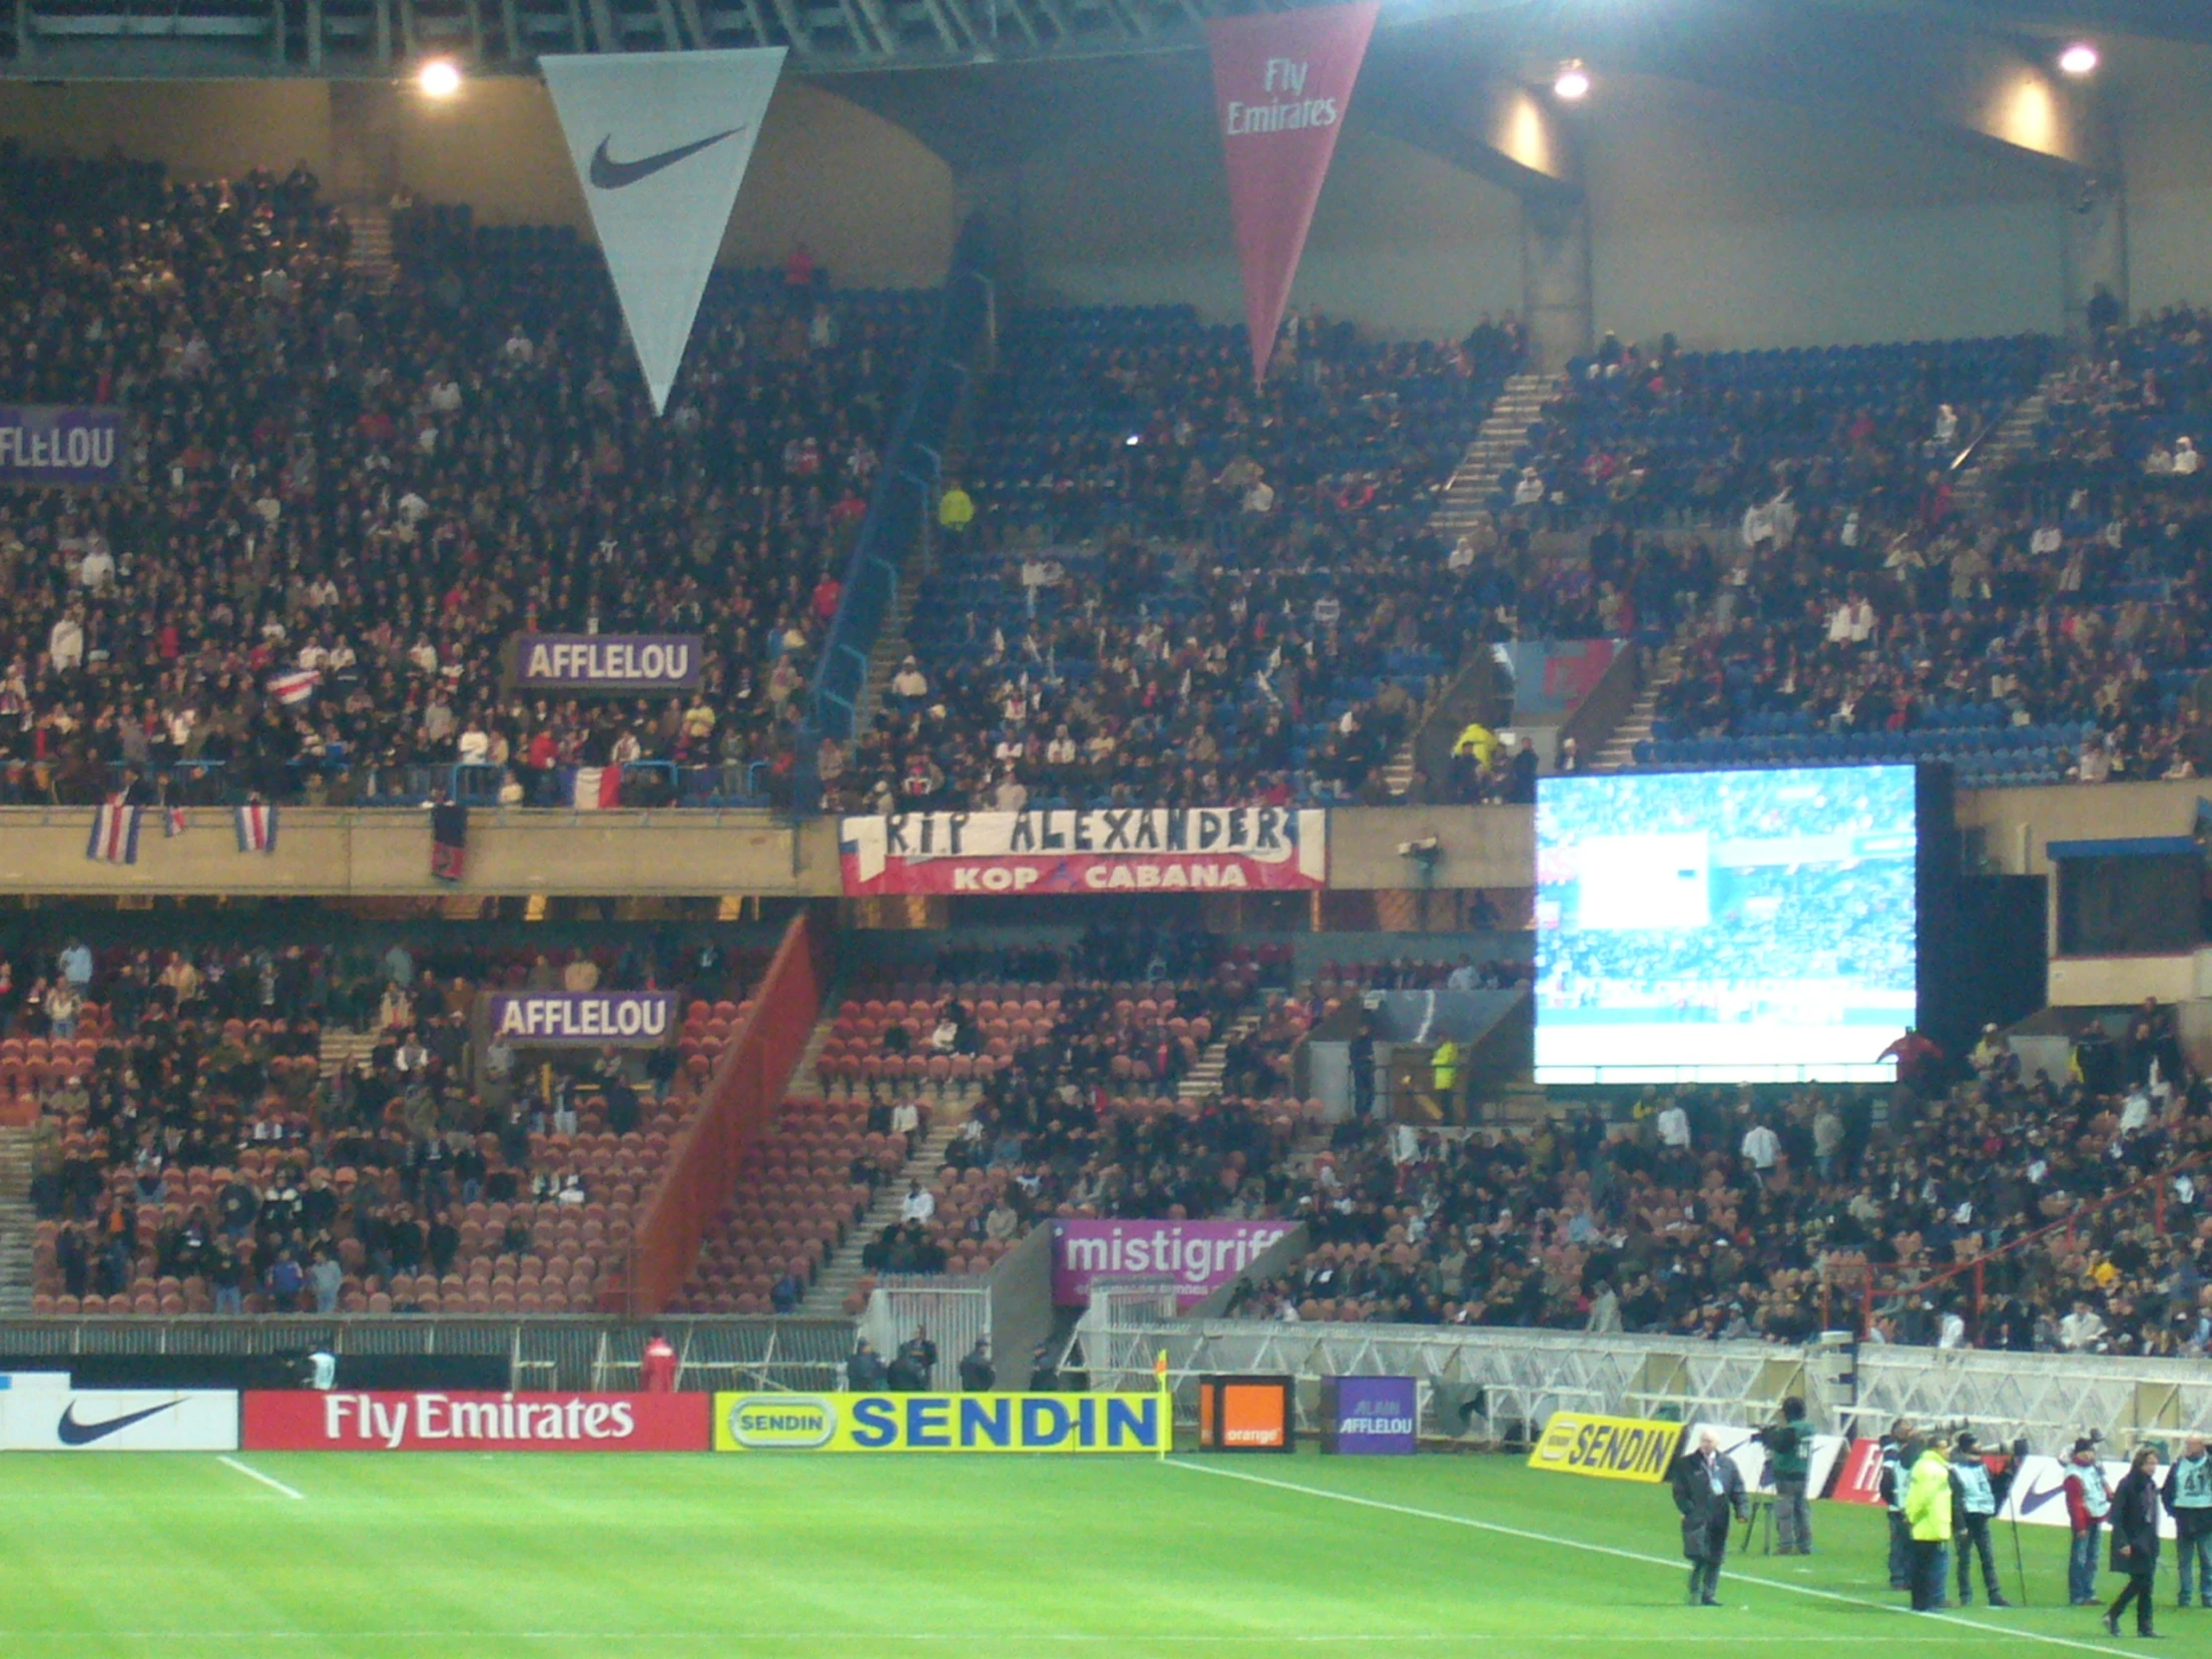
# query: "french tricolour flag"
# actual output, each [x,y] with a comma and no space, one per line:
[256,829]
[295,687]
[115,830]
[598,788]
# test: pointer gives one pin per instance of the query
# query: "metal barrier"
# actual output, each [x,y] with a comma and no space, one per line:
[1516,1378]
[904,497]
[2051,1398]
[953,1313]
[564,1354]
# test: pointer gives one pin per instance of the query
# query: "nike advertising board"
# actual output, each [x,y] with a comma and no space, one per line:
[661,141]
[119,1420]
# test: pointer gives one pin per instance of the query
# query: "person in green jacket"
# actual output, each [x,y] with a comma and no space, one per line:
[1444,1079]
[1927,1515]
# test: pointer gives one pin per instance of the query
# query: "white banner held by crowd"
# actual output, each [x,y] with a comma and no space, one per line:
[661,141]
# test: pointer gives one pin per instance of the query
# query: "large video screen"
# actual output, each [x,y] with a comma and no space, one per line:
[1724,926]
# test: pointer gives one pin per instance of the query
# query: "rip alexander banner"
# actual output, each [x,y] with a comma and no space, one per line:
[1133,849]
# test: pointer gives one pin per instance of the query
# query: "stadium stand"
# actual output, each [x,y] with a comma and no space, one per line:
[1180,590]
[206,1147]
[1673,437]
[377,487]
[1579,1226]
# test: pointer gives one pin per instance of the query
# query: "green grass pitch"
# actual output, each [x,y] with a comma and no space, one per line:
[462,1556]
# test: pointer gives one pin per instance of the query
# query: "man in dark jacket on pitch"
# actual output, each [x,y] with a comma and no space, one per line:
[2136,1515]
[1709,1493]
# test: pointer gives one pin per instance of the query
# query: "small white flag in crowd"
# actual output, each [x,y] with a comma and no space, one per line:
[598,788]
[174,823]
[115,830]
[295,687]
[257,828]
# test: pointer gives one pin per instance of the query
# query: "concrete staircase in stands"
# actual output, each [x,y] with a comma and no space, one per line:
[843,1273]
[2015,432]
[1473,484]
[1494,446]
[882,661]
[368,252]
[342,1048]
[1619,751]
[1204,1077]
[17,1224]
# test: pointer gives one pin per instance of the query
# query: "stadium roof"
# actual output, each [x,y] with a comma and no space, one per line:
[118,39]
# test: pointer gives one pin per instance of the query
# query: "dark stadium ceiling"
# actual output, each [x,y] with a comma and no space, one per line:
[985,83]
[159,38]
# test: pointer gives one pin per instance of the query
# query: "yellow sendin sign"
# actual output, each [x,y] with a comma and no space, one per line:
[1610,1448]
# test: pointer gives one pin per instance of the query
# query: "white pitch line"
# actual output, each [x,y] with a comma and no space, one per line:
[267,1480]
[1499,1527]
[970,1637]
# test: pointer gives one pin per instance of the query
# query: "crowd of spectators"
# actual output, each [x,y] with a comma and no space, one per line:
[379,486]
[1158,584]
[1653,436]
[1738,1214]
[195,1151]
[2057,634]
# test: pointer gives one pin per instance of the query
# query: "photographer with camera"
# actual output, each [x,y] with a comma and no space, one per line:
[1977,1492]
[1789,1461]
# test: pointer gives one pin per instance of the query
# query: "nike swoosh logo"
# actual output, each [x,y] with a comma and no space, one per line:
[72,1433]
[609,174]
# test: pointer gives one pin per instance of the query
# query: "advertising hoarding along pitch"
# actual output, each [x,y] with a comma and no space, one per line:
[608,662]
[42,1412]
[1101,1422]
[1111,851]
[577,1019]
[1370,1416]
[351,1420]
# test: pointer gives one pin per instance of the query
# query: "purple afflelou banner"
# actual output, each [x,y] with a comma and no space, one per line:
[1377,1416]
[75,444]
[608,662]
[1200,1255]
[567,1020]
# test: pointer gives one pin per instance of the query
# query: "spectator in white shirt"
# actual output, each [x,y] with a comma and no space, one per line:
[1674,1128]
[920,1204]
[1760,1146]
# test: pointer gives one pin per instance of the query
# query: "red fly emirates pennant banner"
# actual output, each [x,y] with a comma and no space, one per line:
[1282,84]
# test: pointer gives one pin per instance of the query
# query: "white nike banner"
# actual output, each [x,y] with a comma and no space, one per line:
[118,1420]
[661,141]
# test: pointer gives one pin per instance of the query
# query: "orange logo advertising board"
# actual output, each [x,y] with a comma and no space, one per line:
[1245,1414]
[1252,1415]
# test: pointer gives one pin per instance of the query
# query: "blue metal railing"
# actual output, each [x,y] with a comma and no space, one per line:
[902,503]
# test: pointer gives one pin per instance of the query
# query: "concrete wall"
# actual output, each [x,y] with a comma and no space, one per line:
[1726,218]
[875,205]
[2164,98]
[1118,213]
[327,852]
[201,129]
[2018,824]
[333,851]
[1734,221]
